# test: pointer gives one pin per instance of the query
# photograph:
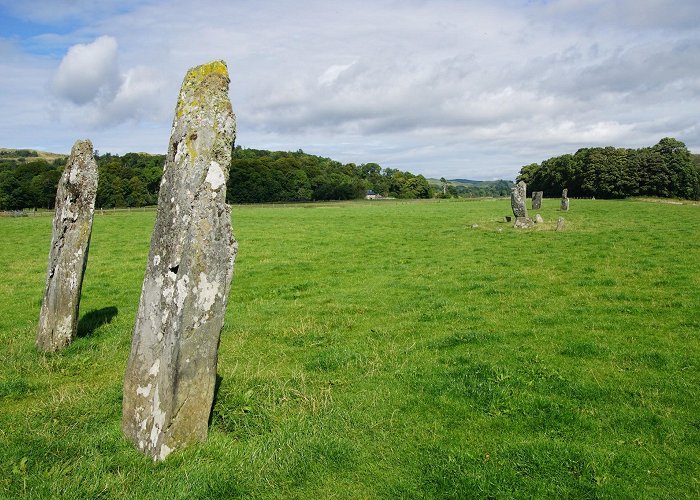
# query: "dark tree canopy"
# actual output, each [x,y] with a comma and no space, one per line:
[259,176]
[256,176]
[666,170]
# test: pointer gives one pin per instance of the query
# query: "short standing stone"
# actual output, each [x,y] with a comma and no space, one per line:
[538,219]
[70,242]
[565,200]
[560,224]
[518,196]
[171,372]
[536,200]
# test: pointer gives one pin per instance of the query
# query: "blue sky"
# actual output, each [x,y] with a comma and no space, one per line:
[461,89]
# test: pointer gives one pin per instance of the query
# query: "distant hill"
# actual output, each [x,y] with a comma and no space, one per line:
[465,181]
[16,154]
[461,182]
[468,188]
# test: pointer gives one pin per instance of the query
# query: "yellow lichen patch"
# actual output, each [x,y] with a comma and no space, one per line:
[190,145]
[198,73]
[84,231]
[195,77]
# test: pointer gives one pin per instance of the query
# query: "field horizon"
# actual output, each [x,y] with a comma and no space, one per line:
[401,348]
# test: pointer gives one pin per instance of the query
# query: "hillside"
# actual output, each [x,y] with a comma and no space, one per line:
[26,154]
[467,188]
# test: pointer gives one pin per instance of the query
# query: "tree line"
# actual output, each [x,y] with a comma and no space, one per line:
[260,176]
[666,170]
[256,176]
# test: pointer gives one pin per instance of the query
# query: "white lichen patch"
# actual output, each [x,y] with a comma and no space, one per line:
[155,368]
[158,419]
[206,292]
[63,328]
[179,152]
[156,260]
[169,291]
[144,391]
[164,451]
[215,176]
[182,292]
[163,320]
[73,280]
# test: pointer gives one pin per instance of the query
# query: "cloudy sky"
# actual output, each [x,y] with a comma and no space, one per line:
[454,88]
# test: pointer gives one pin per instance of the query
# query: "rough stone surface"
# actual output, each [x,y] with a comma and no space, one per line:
[70,242]
[538,219]
[565,200]
[171,372]
[518,196]
[560,224]
[523,222]
[517,200]
[537,200]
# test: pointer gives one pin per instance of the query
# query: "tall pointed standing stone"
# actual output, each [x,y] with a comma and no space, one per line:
[171,372]
[565,200]
[70,242]
[517,202]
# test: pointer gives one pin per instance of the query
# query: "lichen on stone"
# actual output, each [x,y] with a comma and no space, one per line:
[180,316]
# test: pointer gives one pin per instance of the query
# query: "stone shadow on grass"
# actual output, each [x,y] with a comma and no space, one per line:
[94,319]
[217,385]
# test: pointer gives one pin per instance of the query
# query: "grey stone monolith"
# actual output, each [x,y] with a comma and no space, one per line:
[518,196]
[560,224]
[537,200]
[171,372]
[538,219]
[70,242]
[565,200]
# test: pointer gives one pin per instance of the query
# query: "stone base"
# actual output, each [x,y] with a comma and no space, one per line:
[523,223]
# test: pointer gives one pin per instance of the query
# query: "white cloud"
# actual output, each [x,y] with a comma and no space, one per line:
[89,72]
[332,73]
[89,77]
[138,96]
[446,87]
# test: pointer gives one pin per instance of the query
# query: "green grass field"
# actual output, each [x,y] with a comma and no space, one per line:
[383,350]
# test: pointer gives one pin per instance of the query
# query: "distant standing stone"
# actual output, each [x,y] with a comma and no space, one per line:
[517,199]
[537,200]
[565,200]
[538,219]
[560,224]
[171,372]
[70,242]
[518,196]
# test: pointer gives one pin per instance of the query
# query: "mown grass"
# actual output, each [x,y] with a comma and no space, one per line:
[383,350]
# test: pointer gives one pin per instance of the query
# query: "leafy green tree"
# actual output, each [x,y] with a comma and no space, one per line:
[138,194]
[666,169]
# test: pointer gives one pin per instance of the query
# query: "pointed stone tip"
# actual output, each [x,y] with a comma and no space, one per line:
[81,146]
[199,73]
